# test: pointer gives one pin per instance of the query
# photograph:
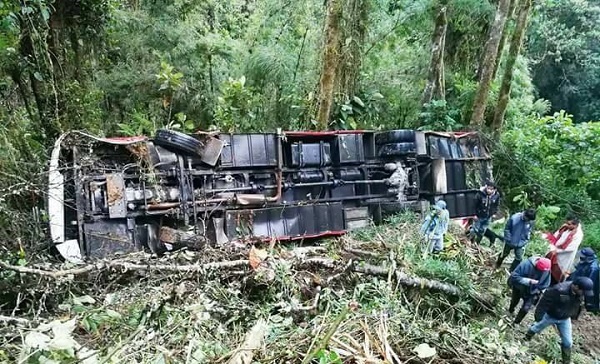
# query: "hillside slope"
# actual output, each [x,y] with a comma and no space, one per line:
[369,297]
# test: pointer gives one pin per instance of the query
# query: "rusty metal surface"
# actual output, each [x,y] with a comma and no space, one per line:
[174,236]
[115,194]
[211,149]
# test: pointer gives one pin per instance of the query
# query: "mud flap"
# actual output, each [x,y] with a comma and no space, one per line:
[219,224]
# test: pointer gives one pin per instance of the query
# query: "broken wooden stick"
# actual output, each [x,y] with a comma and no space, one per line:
[14,320]
[187,268]
[253,341]
[410,281]
[359,267]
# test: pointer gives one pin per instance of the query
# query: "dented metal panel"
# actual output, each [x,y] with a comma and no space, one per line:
[115,188]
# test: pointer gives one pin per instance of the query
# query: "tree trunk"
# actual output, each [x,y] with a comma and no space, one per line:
[435,87]
[505,31]
[15,74]
[513,52]
[352,38]
[330,61]
[487,64]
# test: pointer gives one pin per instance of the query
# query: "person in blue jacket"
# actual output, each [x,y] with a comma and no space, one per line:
[435,226]
[517,233]
[528,281]
[588,267]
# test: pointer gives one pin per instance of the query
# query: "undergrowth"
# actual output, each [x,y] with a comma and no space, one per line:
[173,318]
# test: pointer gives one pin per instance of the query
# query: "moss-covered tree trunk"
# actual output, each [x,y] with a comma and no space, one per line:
[513,52]
[488,61]
[435,87]
[353,31]
[505,32]
[331,58]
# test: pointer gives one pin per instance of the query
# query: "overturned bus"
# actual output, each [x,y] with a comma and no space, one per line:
[118,195]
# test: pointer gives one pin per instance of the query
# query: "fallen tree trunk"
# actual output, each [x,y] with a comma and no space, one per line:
[187,268]
[409,281]
[359,267]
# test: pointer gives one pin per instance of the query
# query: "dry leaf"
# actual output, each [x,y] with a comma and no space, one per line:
[257,256]
[424,351]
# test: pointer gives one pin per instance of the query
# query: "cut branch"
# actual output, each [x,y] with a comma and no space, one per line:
[410,281]
[188,268]
[328,263]
[252,342]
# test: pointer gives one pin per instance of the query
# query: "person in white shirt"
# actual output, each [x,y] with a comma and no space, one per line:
[564,244]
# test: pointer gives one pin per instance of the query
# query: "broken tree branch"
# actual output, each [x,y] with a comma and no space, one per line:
[407,280]
[359,267]
[188,268]
[252,342]
[14,320]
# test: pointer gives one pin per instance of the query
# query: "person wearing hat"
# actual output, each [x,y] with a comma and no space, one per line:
[528,281]
[558,305]
[517,233]
[486,206]
[435,226]
[588,267]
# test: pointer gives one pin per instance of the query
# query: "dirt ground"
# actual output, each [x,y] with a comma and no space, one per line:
[587,328]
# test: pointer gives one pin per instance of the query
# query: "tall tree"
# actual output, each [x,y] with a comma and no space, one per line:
[352,38]
[515,48]
[435,87]
[331,58]
[505,32]
[487,64]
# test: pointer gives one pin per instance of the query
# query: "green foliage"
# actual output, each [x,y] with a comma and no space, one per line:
[359,113]
[237,107]
[437,115]
[328,357]
[564,46]
[591,237]
[551,161]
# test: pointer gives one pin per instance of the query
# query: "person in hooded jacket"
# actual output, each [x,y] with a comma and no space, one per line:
[435,226]
[528,281]
[517,233]
[588,267]
[486,206]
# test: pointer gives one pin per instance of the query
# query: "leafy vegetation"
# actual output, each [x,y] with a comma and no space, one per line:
[203,319]
[128,68]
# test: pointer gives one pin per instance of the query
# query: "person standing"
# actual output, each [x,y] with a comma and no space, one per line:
[435,226]
[517,233]
[558,305]
[528,281]
[564,244]
[487,203]
[588,267]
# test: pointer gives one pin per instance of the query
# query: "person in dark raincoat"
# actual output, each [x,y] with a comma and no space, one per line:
[588,267]
[528,281]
